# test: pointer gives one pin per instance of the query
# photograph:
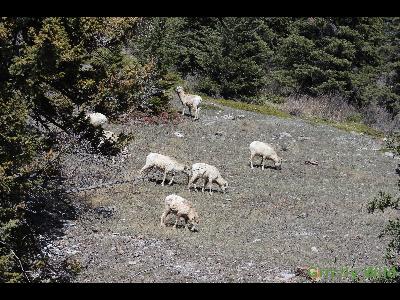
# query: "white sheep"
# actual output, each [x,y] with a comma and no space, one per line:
[191,101]
[210,174]
[182,208]
[165,163]
[266,152]
[97,119]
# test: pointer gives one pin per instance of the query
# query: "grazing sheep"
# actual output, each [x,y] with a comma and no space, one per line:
[191,101]
[182,208]
[210,174]
[266,152]
[97,119]
[166,163]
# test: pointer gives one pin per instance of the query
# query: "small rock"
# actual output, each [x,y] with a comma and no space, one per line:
[228,117]
[309,273]
[284,134]
[314,249]
[178,134]
[219,133]
[303,138]
[389,154]
[95,230]
[105,212]
[240,116]
[285,276]
[303,215]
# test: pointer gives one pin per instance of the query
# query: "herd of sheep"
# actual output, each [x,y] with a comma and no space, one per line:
[174,204]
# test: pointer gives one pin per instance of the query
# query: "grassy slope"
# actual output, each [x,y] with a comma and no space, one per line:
[267,109]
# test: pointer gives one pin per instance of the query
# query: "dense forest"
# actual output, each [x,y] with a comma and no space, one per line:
[53,70]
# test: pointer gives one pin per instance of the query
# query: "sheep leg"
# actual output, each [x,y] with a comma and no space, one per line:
[262,162]
[177,220]
[204,184]
[146,169]
[165,176]
[186,222]
[163,216]
[190,111]
[191,181]
[210,185]
[172,179]
[195,186]
[251,160]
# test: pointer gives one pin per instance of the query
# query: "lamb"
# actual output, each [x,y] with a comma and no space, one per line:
[210,174]
[97,119]
[191,101]
[266,152]
[182,208]
[166,163]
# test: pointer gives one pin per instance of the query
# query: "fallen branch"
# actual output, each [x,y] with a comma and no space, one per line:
[311,162]
[102,185]
[18,259]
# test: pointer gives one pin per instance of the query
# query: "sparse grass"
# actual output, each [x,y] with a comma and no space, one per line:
[262,109]
[270,110]
[209,107]
[347,126]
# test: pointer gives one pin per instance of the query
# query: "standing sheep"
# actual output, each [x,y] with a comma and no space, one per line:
[182,208]
[165,163]
[266,152]
[191,101]
[97,119]
[210,174]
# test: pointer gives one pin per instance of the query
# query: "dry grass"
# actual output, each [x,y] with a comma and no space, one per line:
[329,107]
[335,111]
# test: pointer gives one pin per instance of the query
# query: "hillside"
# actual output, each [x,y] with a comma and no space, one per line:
[269,222]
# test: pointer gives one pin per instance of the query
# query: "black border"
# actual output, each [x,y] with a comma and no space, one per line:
[199,8]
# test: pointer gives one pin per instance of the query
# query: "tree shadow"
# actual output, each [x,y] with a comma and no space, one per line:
[47,216]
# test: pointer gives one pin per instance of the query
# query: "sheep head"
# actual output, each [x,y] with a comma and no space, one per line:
[193,219]
[179,89]
[222,183]
[278,163]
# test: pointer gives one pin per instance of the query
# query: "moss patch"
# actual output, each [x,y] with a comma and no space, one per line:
[262,109]
[348,126]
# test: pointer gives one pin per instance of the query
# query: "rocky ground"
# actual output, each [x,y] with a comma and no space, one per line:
[269,223]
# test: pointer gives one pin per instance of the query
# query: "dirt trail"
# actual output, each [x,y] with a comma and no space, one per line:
[267,224]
